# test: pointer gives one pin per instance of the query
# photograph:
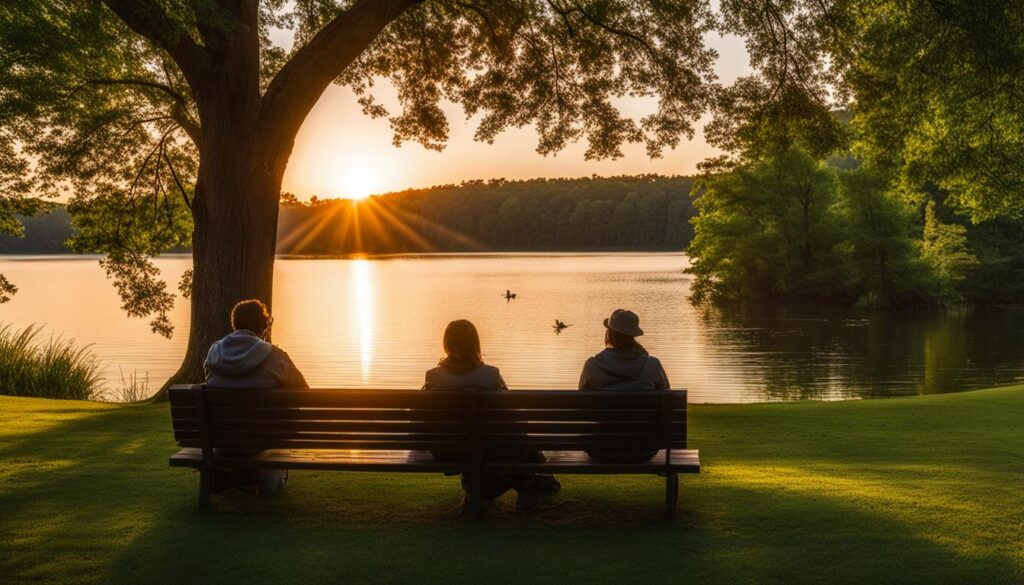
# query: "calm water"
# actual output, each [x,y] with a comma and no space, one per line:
[378,323]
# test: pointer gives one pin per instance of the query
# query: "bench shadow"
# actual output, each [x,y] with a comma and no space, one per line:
[91,499]
[712,542]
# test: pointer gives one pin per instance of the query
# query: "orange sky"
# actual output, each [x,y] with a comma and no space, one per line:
[339,152]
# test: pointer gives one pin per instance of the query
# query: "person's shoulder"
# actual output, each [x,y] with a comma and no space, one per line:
[653,363]
[279,354]
[493,378]
[433,374]
[490,371]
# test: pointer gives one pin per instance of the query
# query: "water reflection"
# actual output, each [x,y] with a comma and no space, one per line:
[378,323]
[815,353]
[362,284]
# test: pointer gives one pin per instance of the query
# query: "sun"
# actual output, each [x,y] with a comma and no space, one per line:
[360,181]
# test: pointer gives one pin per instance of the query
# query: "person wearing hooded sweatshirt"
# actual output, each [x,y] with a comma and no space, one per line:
[245,359]
[623,365]
[463,368]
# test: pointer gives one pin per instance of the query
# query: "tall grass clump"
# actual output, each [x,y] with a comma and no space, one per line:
[54,369]
[133,388]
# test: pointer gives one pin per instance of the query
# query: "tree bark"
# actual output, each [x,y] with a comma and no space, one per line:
[245,141]
[234,237]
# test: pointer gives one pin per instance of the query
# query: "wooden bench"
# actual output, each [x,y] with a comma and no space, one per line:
[392,431]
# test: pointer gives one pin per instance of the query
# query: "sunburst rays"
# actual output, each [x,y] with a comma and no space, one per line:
[371,225]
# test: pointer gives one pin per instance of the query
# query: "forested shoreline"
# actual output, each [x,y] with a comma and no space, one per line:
[856,243]
[795,227]
[636,213]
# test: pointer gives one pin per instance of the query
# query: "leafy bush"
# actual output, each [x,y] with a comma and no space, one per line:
[54,369]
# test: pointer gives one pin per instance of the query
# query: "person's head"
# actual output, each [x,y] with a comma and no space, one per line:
[621,330]
[462,345]
[251,315]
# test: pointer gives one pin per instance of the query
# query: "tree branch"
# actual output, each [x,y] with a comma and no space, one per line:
[141,83]
[179,112]
[148,19]
[177,182]
[615,30]
[295,89]
[500,44]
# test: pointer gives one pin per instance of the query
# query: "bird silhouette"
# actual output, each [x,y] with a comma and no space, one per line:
[559,326]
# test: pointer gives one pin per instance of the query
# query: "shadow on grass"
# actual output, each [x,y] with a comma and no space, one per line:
[90,499]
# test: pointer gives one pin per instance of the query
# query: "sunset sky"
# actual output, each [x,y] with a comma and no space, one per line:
[342,153]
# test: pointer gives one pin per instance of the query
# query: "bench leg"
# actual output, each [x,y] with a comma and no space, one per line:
[205,487]
[671,494]
[475,494]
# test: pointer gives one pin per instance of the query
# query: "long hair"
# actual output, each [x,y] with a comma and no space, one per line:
[622,342]
[461,348]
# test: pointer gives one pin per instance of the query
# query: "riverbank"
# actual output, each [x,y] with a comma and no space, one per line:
[916,490]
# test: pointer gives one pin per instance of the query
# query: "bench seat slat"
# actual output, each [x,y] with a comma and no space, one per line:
[575,427]
[188,413]
[413,399]
[683,461]
[248,411]
[575,414]
[329,426]
[575,400]
[270,439]
[365,460]
[384,444]
[245,410]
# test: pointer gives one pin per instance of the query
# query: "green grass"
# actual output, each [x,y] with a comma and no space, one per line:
[919,490]
[54,369]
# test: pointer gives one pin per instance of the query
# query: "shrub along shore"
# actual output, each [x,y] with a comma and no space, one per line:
[909,490]
[52,369]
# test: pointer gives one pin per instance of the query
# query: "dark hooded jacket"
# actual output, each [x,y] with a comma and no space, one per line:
[483,377]
[623,370]
[243,360]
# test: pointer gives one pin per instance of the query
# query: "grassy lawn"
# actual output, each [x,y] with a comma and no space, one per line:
[919,490]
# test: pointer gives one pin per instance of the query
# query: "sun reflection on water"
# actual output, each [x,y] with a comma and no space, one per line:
[362,291]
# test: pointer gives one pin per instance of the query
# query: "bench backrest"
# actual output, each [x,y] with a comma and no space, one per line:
[462,421]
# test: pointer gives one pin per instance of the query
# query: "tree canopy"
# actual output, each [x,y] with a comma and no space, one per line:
[114,102]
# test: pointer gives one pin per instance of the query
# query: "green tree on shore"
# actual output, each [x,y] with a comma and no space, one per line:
[765,229]
[944,247]
[879,255]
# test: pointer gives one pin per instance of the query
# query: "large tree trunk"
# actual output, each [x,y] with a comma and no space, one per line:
[233,243]
[245,143]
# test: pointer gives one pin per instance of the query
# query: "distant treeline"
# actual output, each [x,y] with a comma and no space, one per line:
[618,213]
[44,234]
[622,213]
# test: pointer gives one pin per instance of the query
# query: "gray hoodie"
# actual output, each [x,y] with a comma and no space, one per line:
[243,360]
[623,370]
[619,370]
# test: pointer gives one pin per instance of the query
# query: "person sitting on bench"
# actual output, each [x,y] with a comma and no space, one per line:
[624,364]
[463,368]
[245,359]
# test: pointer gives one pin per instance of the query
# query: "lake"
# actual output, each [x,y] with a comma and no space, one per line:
[378,323]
